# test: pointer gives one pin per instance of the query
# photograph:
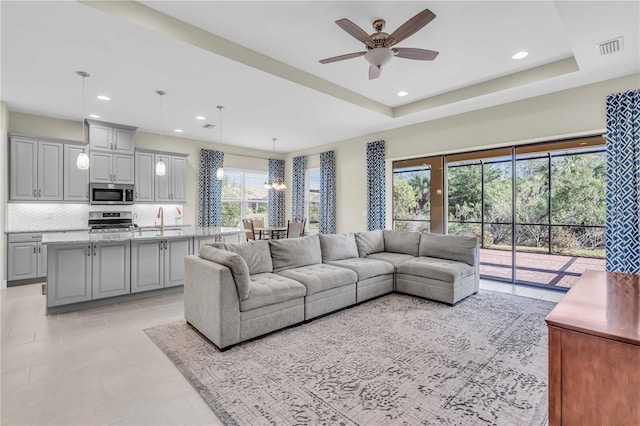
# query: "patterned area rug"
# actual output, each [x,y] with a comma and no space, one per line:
[393,360]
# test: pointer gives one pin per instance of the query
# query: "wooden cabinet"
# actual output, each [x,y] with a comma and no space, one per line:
[111,168]
[158,263]
[76,181]
[169,188]
[111,137]
[36,170]
[85,271]
[26,257]
[594,352]
[145,169]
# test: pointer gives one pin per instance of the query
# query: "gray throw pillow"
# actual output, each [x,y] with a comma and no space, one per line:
[295,252]
[235,263]
[453,247]
[369,242]
[401,242]
[338,246]
[255,253]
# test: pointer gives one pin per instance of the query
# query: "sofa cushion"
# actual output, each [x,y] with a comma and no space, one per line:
[401,242]
[338,246]
[255,253]
[439,269]
[320,277]
[369,242]
[393,258]
[268,289]
[454,247]
[235,263]
[295,252]
[365,268]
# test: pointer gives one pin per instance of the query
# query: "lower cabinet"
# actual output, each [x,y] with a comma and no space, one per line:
[158,263]
[82,272]
[26,257]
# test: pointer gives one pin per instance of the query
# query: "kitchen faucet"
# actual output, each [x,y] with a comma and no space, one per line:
[161,216]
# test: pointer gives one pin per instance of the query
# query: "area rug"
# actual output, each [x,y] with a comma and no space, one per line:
[395,360]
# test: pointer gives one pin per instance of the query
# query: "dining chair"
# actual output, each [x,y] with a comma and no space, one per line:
[248,229]
[259,223]
[304,224]
[294,229]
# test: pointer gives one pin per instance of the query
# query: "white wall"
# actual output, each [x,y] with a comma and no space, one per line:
[572,112]
[235,157]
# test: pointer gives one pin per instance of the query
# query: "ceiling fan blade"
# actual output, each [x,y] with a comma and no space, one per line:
[374,72]
[355,31]
[410,27]
[412,53]
[341,57]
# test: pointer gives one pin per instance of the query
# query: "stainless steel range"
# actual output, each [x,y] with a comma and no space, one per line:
[110,221]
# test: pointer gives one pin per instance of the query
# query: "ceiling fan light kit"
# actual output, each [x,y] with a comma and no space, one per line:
[379,44]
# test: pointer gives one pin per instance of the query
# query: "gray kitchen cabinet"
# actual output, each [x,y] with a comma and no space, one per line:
[145,169]
[111,137]
[147,265]
[110,269]
[111,168]
[175,251]
[36,170]
[76,181]
[172,187]
[198,242]
[158,263]
[69,279]
[26,257]
[79,272]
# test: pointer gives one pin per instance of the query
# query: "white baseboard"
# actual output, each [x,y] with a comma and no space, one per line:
[3,284]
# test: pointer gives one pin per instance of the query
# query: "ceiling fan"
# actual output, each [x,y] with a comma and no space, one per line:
[379,44]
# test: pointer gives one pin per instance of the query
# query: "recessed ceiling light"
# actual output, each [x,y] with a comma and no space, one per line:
[520,55]
[178,130]
[200,117]
[104,98]
[403,93]
[94,116]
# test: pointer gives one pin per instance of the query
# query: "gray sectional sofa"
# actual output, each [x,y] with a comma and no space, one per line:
[235,292]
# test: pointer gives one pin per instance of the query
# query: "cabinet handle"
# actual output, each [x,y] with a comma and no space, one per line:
[34,193]
[111,146]
[86,194]
[34,249]
[94,249]
[160,245]
[39,247]
[89,251]
[39,193]
[165,244]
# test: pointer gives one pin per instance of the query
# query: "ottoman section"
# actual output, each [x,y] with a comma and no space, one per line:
[438,279]
[375,277]
[329,287]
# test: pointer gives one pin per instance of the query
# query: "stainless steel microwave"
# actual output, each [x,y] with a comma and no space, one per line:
[110,193]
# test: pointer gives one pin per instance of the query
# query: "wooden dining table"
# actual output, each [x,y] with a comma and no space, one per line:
[271,231]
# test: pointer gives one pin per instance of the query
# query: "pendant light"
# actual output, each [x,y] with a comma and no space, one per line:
[82,162]
[161,168]
[220,171]
[277,184]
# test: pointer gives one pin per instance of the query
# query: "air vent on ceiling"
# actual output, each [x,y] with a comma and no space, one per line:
[610,46]
[209,126]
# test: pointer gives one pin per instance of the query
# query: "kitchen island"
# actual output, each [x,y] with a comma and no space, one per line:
[88,269]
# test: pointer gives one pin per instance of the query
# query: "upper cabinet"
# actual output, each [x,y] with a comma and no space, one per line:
[169,188]
[111,137]
[76,181]
[36,169]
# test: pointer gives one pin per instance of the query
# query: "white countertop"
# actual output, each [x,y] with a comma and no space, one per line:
[142,234]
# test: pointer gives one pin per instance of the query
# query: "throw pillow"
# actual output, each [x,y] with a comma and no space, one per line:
[235,263]
[401,242]
[255,253]
[369,242]
[295,252]
[338,246]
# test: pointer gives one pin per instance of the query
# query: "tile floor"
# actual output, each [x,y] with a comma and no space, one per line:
[96,366]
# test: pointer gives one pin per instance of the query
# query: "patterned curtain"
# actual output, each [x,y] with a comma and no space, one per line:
[276,198]
[623,182]
[297,190]
[210,193]
[375,186]
[327,193]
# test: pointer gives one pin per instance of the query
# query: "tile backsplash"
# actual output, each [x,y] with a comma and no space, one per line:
[26,217]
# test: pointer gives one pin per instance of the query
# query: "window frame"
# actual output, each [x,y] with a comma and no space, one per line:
[243,200]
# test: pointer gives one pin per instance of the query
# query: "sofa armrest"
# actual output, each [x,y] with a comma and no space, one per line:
[211,302]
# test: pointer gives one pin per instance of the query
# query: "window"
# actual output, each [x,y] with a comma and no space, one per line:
[312,199]
[244,197]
